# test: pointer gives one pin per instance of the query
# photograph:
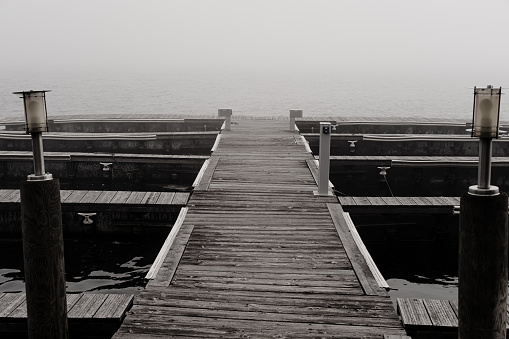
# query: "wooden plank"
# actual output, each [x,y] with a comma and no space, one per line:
[87,306]
[364,251]
[16,197]
[436,201]
[150,198]
[165,198]
[201,173]
[151,274]
[11,196]
[9,302]
[4,193]
[454,306]
[64,194]
[420,201]
[90,197]
[366,278]
[376,201]
[204,183]
[173,259]
[441,313]
[114,306]
[180,198]
[413,312]
[72,299]
[105,197]
[120,197]
[136,198]
[75,197]
[20,311]
[405,201]
[347,201]
[392,201]
[450,200]
[362,201]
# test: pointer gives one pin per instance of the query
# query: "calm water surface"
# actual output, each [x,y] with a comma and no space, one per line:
[249,93]
[419,271]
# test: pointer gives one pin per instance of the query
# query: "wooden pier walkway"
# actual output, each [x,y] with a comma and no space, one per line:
[258,255]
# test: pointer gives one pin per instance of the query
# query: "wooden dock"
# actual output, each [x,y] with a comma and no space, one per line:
[258,255]
[415,161]
[113,212]
[89,315]
[432,205]
[107,197]
[430,318]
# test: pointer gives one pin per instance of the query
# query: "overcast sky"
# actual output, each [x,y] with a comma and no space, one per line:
[385,36]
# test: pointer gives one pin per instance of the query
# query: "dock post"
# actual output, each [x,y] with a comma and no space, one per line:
[227,114]
[482,266]
[324,163]
[43,253]
[294,113]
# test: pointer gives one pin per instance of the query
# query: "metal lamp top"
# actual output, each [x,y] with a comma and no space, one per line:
[35,110]
[21,94]
[486,112]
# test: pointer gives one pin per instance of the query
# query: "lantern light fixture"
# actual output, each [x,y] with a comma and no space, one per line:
[485,126]
[36,117]
[36,122]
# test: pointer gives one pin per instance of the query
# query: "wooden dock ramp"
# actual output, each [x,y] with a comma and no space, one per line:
[260,256]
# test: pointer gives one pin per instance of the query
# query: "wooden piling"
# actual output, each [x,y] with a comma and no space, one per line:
[43,252]
[482,269]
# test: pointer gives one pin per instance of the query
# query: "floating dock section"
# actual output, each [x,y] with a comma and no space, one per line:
[89,315]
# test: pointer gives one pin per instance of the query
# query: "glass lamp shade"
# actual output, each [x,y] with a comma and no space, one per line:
[35,111]
[486,112]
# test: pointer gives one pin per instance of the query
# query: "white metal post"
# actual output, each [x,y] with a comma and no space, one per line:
[294,113]
[325,138]
[226,113]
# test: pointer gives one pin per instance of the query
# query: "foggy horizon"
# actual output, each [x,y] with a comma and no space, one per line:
[389,38]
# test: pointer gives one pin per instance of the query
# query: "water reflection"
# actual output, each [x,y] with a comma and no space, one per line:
[98,264]
[418,271]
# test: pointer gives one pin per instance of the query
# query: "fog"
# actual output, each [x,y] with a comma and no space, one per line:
[362,37]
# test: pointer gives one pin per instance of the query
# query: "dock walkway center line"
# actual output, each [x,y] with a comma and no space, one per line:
[258,254]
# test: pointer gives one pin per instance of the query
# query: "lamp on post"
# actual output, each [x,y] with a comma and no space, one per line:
[482,259]
[41,225]
[485,126]
[36,122]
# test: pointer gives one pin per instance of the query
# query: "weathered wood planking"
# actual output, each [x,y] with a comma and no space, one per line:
[258,254]
[79,306]
[89,315]
[428,315]
[108,197]
[398,201]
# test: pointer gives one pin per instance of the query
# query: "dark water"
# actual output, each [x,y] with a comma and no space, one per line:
[419,271]
[98,264]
